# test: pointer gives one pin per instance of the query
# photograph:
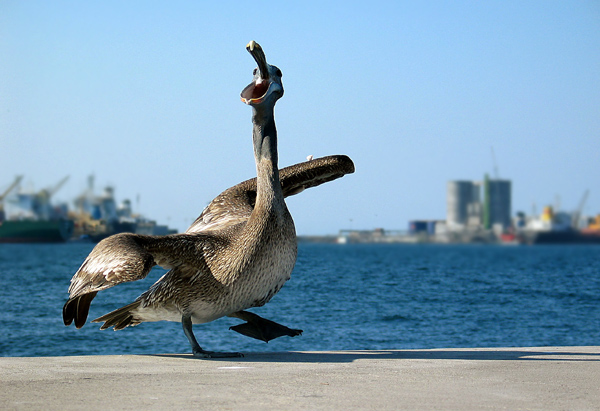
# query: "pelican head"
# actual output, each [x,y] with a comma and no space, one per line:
[266,85]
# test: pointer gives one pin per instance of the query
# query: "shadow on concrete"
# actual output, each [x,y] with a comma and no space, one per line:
[350,356]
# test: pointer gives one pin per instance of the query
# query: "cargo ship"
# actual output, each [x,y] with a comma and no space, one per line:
[30,217]
[31,231]
[559,228]
[569,236]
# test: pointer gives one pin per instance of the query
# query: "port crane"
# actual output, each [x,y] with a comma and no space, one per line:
[49,192]
[7,192]
[577,214]
[41,201]
[11,187]
[495,165]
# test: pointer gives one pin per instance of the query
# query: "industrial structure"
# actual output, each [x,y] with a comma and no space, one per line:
[473,205]
[480,212]
[477,211]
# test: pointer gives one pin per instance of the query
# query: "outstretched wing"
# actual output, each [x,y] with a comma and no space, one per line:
[297,178]
[127,257]
[114,260]
[234,205]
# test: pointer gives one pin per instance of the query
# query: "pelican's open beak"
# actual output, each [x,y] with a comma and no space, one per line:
[256,91]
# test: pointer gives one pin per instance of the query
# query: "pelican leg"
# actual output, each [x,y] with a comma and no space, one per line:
[261,328]
[197,351]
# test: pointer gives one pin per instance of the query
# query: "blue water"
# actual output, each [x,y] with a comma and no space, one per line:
[343,296]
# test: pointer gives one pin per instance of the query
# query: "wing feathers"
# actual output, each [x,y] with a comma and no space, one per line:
[77,309]
[296,178]
[116,259]
[129,257]
[234,205]
[119,318]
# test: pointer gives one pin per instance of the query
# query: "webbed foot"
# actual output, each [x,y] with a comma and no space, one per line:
[261,328]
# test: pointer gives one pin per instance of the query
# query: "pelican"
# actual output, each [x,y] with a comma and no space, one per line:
[236,255]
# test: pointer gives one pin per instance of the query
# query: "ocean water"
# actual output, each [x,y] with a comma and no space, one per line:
[344,297]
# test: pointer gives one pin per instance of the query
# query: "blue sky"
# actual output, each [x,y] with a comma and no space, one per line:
[145,95]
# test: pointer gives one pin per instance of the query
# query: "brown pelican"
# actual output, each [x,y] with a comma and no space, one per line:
[236,255]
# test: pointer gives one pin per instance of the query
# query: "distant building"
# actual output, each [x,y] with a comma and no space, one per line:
[469,207]
[497,204]
[463,204]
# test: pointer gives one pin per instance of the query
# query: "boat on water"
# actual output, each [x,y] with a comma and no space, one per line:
[31,231]
[559,228]
[567,236]
[30,217]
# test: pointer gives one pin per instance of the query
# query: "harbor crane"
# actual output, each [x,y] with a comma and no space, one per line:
[11,187]
[49,192]
[577,214]
[7,192]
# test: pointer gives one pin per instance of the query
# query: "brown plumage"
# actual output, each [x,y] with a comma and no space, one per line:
[235,204]
[124,257]
[236,255]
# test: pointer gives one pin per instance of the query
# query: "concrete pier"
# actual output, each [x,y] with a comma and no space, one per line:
[547,378]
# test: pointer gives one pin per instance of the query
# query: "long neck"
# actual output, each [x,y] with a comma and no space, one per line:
[264,136]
